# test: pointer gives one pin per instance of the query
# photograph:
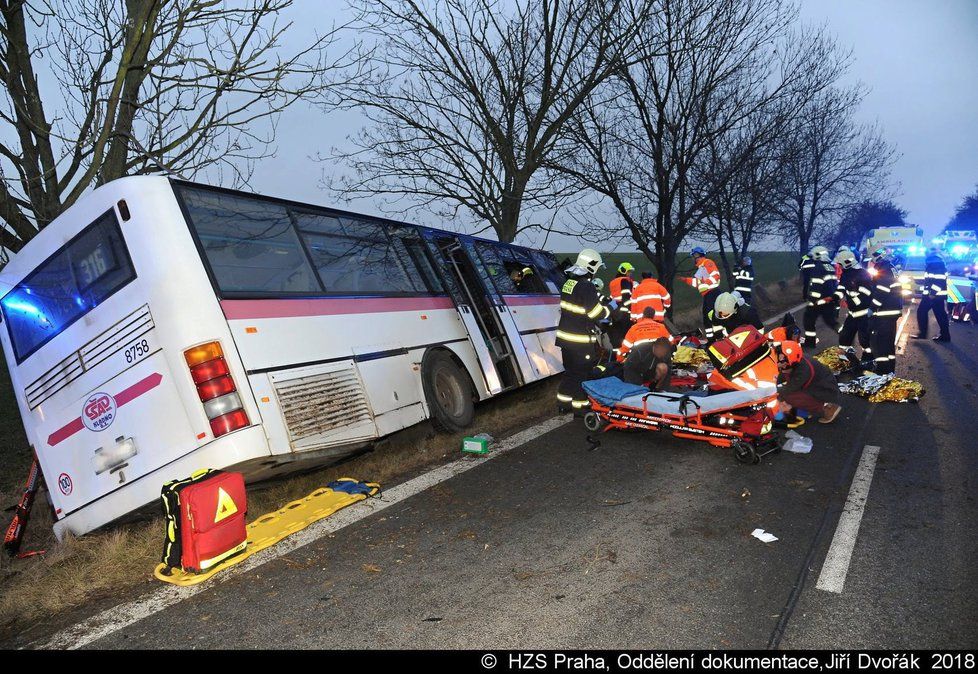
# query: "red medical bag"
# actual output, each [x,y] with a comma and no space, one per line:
[205,519]
[742,349]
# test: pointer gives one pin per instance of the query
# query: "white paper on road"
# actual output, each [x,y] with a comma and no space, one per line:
[763,536]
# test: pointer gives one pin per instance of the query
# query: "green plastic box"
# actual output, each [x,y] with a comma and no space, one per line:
[475,445]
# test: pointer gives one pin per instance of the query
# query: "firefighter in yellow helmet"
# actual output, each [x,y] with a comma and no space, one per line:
[581,310]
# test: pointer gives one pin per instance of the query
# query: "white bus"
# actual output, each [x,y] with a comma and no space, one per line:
[158,327]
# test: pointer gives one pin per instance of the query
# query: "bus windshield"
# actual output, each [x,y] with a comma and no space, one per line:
[66,286]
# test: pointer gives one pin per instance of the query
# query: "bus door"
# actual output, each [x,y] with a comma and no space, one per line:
[476,308]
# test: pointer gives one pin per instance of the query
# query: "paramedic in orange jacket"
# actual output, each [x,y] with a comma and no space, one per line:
[650,294]
[647,329]
[706,280]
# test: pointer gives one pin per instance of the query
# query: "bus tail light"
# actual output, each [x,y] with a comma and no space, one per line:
[216,388]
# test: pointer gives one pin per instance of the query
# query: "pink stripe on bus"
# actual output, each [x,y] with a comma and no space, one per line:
[124,396]
[287,308]
[530,300]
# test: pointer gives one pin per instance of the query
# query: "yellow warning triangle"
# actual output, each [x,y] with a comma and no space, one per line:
[225,505]
[739,338]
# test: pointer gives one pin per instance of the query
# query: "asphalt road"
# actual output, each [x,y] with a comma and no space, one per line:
[643,542]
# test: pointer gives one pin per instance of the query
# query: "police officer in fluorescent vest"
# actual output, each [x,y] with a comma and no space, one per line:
[933,297]
[581,310]
[744,278]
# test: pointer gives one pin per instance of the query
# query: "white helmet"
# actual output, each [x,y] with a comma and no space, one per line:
[820,253]
[847,259]
[725,306]
[589,260]
[598,283]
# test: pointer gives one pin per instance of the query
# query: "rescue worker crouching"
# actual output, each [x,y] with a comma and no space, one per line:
[821,295]
[650,364]
[887,305]
[744,278]
[933,297]
[581,310]
[806,384]
[706,281]
[729,312]
[856,286]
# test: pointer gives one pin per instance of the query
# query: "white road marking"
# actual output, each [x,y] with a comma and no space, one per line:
[902,344]
[777,318]
[122,616]
[836,565]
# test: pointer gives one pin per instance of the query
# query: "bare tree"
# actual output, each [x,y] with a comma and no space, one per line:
[469,99]
[831,162]
[647,139]
[99,89]
[741,211]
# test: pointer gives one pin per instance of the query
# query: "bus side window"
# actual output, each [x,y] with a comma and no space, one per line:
[552,275]
[354,256]
[492,259]
[250,244]
[415,256]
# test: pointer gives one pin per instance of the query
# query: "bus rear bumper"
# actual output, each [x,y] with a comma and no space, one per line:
[243,449]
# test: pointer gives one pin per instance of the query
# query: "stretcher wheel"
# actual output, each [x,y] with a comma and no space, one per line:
[593,422]
[744,452]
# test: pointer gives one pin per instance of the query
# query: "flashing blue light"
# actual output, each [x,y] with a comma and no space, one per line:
[916,250]
[23,307]
[959,250]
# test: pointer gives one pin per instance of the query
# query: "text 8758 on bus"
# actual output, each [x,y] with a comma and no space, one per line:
[158,327]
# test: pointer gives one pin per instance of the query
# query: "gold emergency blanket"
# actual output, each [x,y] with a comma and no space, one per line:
[884,388]
[689,357]
[836,359]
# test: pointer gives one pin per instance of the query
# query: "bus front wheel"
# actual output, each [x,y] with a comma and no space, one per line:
[448,392]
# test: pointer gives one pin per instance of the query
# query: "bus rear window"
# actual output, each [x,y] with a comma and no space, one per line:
[66,286]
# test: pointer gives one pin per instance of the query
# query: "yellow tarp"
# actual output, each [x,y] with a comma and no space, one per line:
[269,529]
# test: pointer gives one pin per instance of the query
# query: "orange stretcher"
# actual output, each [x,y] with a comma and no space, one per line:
[741,420]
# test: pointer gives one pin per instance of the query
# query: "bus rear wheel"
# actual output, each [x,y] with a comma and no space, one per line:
[448,392]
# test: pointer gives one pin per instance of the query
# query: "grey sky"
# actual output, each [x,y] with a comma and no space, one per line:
[919,58]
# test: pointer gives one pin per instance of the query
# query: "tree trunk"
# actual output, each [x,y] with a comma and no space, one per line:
[509,216]
[141,29]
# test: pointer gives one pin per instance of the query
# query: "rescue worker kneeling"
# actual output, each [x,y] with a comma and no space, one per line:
[581,310]
[641,358]
[650,364]
[806,384]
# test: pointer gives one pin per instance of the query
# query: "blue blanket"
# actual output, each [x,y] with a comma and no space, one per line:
[611,390]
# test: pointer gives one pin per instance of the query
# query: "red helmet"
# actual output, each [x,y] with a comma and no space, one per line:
[791,352]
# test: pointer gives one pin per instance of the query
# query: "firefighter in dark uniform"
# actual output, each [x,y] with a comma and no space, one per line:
[744,278]
[822,299]
[887,305]
[581,310]
[856,286]
[805,268]
[933,297]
